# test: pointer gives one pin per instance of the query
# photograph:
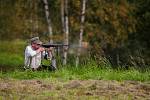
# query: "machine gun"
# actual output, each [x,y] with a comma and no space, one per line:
[50,56]
[48,45]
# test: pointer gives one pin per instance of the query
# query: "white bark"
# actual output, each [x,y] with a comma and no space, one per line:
[66,29]
[48,20]
[51,53]
[62,16]
[81,30]
[35,18]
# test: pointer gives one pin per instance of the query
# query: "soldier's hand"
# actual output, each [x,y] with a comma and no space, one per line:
[50,49]
[40,49]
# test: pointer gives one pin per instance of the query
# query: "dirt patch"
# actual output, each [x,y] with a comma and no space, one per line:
[74,89]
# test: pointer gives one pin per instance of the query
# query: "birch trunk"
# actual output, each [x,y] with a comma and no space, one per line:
[51,53]
[66,28]
[36,18]
[31,20]
[81,30]
[48,20]
[62,16]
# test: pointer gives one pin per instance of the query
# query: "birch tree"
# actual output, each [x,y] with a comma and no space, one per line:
[48,20]
[65,27]
[81,30]
[51,52]
[62,16]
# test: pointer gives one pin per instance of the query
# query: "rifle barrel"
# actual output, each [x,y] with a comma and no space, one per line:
[53,45]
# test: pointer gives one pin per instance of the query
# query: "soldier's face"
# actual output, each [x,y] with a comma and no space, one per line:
[35,46]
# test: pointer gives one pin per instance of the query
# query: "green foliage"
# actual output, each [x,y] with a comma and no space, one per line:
[139,40]
[117,30]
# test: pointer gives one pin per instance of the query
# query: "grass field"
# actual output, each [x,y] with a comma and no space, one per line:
[12,56]
[85,82]
[71,73]
[11,53]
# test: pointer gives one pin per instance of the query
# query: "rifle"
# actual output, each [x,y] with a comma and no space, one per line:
[48,45]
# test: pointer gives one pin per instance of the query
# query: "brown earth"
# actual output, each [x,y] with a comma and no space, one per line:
[73,90]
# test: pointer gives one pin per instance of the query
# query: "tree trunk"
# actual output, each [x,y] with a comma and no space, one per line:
[36,17]
[62,16]
[65,26]
[51,52]
[81,30]
[48,20]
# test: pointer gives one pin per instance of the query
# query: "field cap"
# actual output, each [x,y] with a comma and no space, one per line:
[35,40]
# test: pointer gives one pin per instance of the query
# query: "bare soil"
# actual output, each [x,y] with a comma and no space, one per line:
[73,90]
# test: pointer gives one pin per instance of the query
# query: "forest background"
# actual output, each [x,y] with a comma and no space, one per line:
[116,30]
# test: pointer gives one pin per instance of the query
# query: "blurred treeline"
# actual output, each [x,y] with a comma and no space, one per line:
[118,30]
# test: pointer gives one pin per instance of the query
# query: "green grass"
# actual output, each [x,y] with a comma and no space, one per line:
[12,55]
[72,73]
[8,59]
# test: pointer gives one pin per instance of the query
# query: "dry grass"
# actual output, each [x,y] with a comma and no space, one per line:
[72,90]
